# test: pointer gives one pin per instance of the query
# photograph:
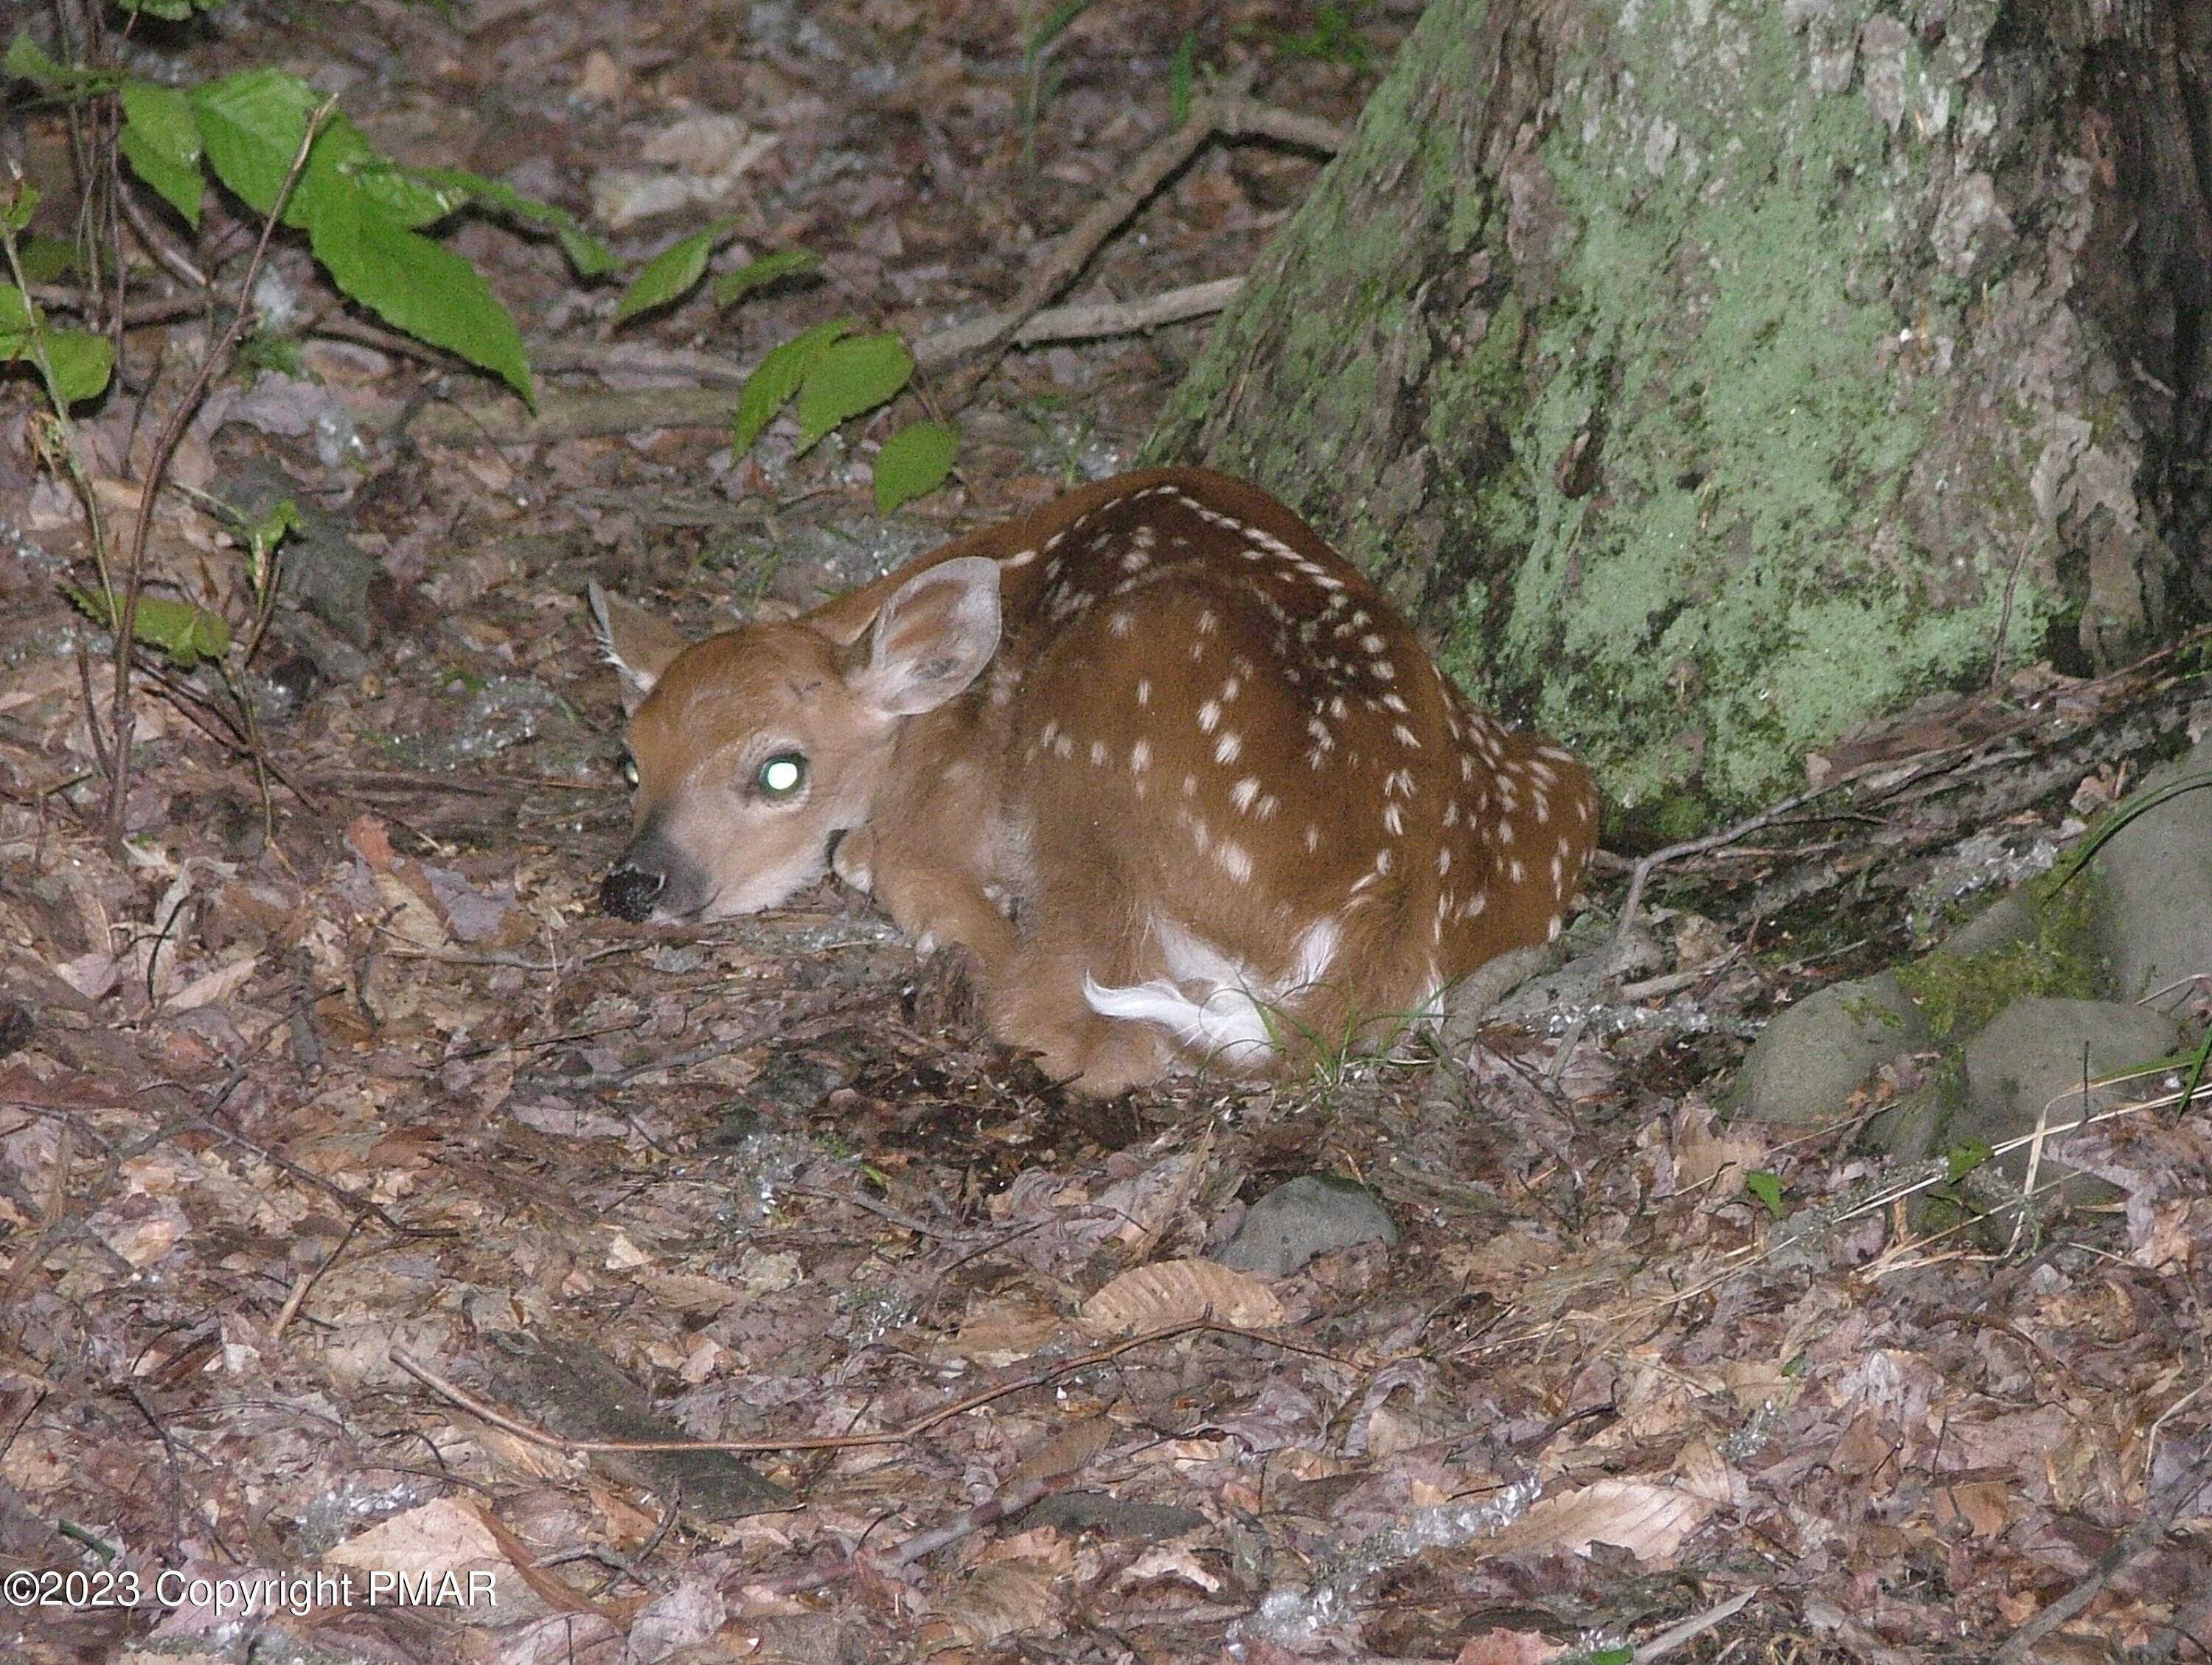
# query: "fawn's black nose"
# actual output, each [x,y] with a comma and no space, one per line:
[629,892]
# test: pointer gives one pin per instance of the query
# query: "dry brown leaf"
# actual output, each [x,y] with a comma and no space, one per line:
[1703,1472]
[1176,1292]
[1004,1329]
[1650,1521]
[214,986]
[999,1599]
[1504,1647]
[1982,1507]
[1704,1154]
[1062,1451]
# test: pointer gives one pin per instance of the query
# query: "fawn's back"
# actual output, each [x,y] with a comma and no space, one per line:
[1181,777]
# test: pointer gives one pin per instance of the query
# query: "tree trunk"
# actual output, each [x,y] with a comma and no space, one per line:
[1712,377]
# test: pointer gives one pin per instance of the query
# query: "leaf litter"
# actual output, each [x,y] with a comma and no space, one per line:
[755,1306]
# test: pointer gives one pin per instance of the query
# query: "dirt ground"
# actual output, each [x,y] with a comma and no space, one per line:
[354,1167]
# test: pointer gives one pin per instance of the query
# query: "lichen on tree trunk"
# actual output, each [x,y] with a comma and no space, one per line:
[1711,376]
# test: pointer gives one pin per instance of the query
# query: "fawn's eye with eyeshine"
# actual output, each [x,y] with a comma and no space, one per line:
[782,774]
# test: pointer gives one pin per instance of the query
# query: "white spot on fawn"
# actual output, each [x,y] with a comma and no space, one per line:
[1244,792]
[1234,861]
[1209,716]
[1144,690]
[1312,837]
[1097,754]
[1140,757]
[1395,819]
[1019,558]
[1226,748]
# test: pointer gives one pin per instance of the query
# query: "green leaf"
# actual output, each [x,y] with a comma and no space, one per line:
[81,362]
[1181,70]
[588,256]
[186,633]
[16,210]
[15,311]
[1055,25]
[344,161]
[2142,804]
[45,258]
[913,462]
[852,376]
[415,285]
[671,274]
[1612,1656]
[1767,1188]
[161,141]
[252,124]
[27,60]
[1962,1158]
[768,269]
[777,377]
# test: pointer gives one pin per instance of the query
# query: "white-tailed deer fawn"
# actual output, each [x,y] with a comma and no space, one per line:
[1176,774]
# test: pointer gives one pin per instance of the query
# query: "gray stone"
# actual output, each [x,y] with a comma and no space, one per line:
[1804,1070]
[2153,896]
[1912,1129]
[2031,1057]
[1301,1219]
[2010,918]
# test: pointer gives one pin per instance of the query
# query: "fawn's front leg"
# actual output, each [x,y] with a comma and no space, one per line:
[935,901]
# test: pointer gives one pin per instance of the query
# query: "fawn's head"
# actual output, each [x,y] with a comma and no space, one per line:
[752,750]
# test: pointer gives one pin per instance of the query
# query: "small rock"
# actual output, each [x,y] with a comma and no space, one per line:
[2154,904]
[2010,918]
[2030,1056]
[1301,1219]
[1804,1070]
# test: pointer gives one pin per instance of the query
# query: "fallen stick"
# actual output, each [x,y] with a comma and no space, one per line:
[1230,115]
[567,414]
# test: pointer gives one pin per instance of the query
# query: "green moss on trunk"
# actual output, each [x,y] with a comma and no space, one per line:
[1670,358]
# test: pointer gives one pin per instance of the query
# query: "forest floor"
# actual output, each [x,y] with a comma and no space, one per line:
[354,1167]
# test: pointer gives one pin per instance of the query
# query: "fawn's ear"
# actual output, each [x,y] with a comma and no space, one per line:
[636,643]
[932,638]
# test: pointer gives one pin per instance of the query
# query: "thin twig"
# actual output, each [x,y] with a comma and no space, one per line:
[1154,165]
[930,1539]
[125,618]
[1040,1376]
[1690,1628]
[565,414]
[171,260]
[2158,1518]
[1698,846]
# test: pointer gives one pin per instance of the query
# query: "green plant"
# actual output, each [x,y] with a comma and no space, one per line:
[2105,830]
[73,365]
[1766,1189]
[1183,71]
[366,217]
[1040,79]
[835,376]
[1331,37]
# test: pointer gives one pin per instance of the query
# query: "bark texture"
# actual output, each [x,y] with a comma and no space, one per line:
[1714,376]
